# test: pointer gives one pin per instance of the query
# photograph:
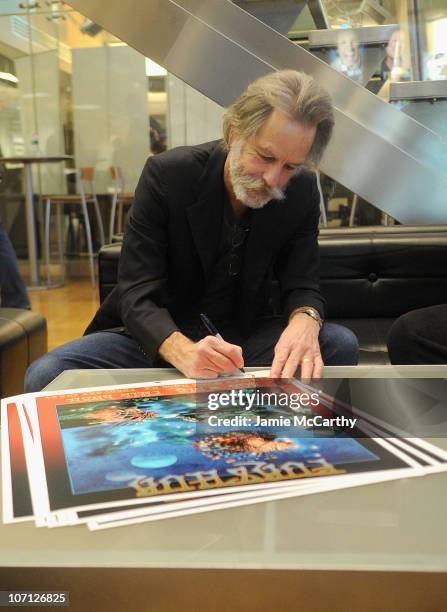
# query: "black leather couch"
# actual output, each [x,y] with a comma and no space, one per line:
[23,338]
[369,276]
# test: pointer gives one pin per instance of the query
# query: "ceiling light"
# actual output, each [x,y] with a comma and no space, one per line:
[153,69]
[7,76]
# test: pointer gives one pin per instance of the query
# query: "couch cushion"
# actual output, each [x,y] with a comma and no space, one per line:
[34,326]
[23,338]
[383,272]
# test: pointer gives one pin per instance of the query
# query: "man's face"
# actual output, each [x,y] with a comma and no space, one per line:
[260,167]
[347,48]
[394,40]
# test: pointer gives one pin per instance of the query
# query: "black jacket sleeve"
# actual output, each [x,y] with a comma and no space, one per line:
[142,273]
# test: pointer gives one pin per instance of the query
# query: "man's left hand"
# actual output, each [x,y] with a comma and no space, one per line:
[298,346]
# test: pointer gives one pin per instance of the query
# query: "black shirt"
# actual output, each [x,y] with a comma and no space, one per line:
[218,300]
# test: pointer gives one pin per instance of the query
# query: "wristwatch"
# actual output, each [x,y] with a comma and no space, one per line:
[311,312]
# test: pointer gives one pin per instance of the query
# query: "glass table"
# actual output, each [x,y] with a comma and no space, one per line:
[372,542]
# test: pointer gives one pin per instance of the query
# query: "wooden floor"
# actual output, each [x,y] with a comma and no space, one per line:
[68,309]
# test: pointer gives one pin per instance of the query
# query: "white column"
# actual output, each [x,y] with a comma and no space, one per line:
[192,117]
[39,100]
[110,112]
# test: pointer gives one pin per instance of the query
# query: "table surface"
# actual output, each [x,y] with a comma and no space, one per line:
[396,526]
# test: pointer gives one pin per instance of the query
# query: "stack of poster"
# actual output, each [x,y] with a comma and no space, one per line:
[110,456]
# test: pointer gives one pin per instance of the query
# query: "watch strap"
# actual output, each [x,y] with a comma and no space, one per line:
[311,312]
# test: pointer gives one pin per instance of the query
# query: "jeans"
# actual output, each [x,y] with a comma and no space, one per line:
[107,349]
[419,336]
[13,292]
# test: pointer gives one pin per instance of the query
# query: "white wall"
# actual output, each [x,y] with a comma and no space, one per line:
[11,139]
[40,115]
[110,112]
[192,117]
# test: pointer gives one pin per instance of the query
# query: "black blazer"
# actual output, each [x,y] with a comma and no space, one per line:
[171,241]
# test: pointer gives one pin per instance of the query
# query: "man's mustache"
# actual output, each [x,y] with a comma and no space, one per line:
[250,183]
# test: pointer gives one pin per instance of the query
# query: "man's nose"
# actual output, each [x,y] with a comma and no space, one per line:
[272,175]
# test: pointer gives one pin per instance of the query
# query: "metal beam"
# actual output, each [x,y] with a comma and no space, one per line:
[418,90]
[377,152]
[277,14]
[415,30]
[372,35]
[319,15]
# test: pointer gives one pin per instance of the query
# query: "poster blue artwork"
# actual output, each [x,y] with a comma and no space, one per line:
[108,445]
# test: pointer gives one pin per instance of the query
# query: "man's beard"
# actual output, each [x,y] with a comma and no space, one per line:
[252,192]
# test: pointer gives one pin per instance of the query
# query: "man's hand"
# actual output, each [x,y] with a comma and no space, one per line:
[204,359]
[298,346]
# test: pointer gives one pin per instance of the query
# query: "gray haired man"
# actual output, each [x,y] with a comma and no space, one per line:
[213,228]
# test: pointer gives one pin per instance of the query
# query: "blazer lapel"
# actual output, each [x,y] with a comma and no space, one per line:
[205,215]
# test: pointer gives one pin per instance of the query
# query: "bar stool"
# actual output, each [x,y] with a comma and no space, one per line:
[119,198]
[86,196]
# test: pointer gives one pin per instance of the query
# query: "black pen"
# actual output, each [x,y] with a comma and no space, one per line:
[211,328]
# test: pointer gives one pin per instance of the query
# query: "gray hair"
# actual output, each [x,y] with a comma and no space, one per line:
[295,93]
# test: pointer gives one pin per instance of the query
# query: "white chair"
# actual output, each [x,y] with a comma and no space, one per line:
[86,196]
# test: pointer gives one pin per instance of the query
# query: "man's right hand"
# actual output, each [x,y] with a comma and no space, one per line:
[204,359]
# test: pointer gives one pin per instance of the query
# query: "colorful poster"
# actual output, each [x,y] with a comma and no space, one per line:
[17,504]
[118,455]
[147,445]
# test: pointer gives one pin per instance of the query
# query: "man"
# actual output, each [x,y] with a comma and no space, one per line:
[392,66]
[13,293]
[210,226]
[348,60]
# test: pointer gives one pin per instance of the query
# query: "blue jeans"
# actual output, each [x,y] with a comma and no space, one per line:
[110,350]
[13,292]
